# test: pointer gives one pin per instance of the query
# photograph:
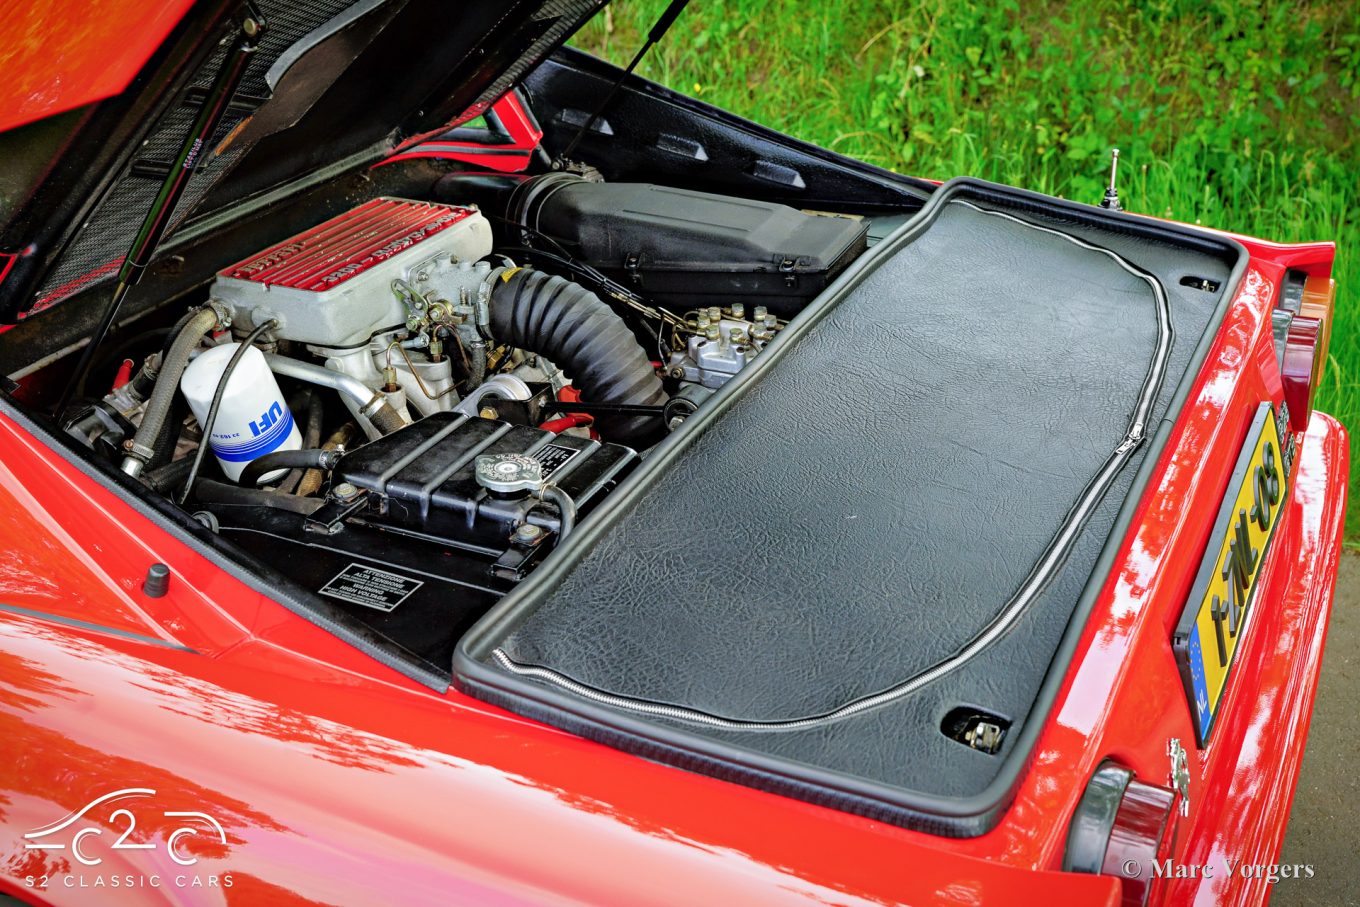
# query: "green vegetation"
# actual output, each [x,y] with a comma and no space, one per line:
[1237,114]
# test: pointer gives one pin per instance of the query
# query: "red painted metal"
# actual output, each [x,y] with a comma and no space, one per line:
[348,244]
[570,394]
[340,782]
[511,156]
[96,47]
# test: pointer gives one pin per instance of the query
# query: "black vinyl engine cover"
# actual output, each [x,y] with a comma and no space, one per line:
[865,503]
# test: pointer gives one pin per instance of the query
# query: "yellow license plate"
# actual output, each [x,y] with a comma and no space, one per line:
[1219,610]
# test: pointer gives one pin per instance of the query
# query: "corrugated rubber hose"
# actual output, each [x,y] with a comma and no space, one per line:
[589,341]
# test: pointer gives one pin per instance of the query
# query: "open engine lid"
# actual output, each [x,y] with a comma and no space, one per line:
[334,84]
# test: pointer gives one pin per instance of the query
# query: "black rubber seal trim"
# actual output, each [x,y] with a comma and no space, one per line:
[945,816]
[95,628]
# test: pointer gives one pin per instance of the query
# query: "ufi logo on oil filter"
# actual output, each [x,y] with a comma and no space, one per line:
[78,832]
[268,419]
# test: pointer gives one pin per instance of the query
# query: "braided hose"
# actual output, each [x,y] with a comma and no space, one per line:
[142,448]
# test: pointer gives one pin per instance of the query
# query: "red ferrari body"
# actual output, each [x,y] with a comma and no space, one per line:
[336,780]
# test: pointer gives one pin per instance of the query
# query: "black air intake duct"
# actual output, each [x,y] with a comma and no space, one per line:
[568,324]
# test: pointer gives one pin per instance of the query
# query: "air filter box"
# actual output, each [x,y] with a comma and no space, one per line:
[684,249]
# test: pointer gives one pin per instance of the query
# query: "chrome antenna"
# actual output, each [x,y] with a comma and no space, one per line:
[1111,199]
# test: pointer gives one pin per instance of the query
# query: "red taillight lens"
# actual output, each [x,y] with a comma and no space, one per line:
[1123,828]
[1306,334]
[1299,369]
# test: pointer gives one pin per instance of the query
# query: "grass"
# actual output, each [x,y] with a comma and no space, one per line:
[1237,114]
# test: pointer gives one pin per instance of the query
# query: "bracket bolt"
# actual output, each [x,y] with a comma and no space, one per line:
[344,492]
[528,533]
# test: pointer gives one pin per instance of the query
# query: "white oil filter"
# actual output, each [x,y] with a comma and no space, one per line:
[253,419]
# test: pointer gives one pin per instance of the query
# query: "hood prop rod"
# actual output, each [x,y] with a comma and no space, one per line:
[654,36]
[191,153]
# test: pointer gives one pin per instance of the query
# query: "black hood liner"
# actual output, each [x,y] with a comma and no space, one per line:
[396,69]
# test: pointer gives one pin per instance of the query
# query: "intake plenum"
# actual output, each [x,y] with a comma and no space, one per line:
[592,344]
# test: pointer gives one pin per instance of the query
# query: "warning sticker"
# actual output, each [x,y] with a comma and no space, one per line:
[554,457]
[370,587]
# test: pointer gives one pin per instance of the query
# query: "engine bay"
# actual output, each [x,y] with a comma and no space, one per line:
[413,402]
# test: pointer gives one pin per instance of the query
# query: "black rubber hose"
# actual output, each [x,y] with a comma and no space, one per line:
[211,492]
[104,364]
[593,345]
[566,509]
[169,476]
[489,191]
[307,458]
[168,439]
[311,433]
[311,478]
